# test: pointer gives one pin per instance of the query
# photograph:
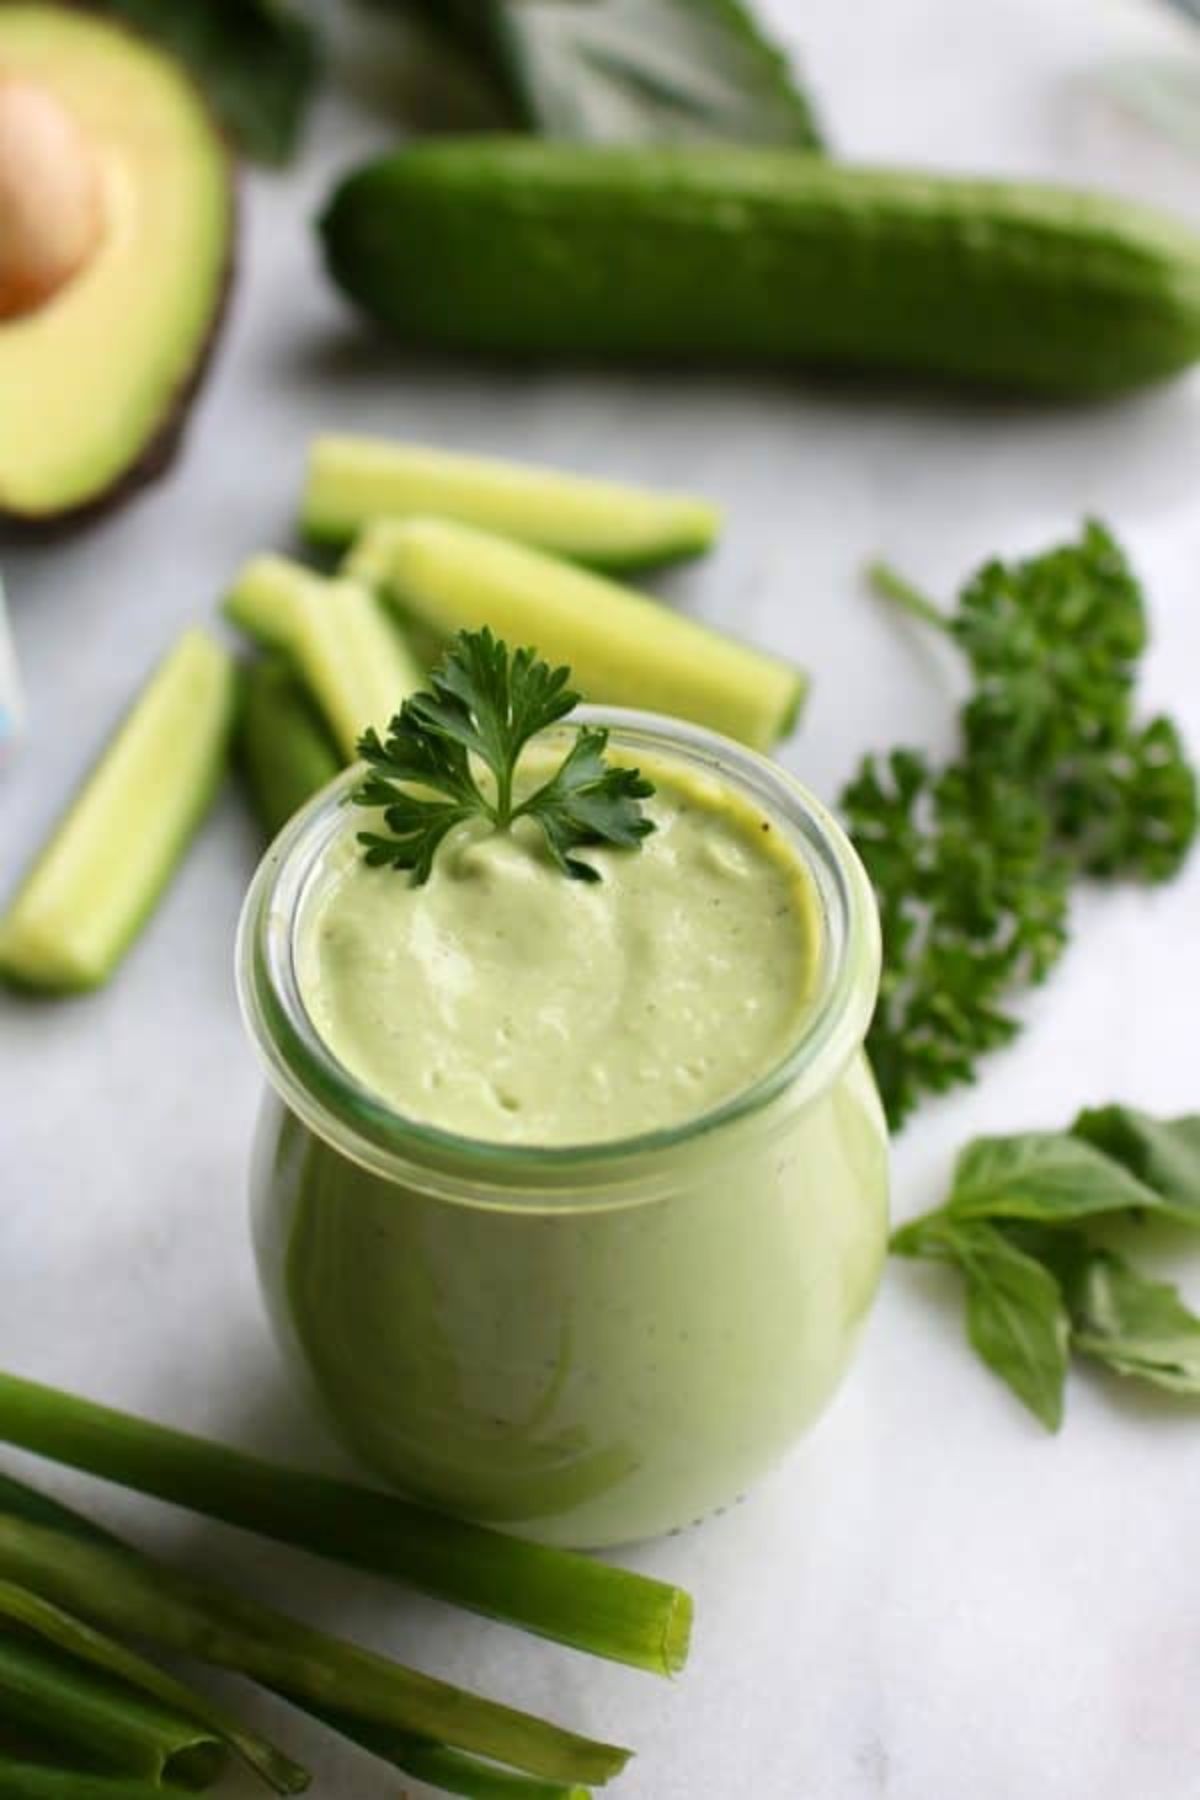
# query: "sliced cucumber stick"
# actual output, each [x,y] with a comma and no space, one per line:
[622,647]
[114,850]
[266,597]
[354,480]
[350,655]
[284,750]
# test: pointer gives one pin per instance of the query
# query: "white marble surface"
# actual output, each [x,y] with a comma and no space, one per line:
[932,1600]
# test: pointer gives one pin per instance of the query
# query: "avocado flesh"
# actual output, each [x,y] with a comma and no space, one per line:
[93,380]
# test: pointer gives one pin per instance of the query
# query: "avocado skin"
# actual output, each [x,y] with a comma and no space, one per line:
[166,440]
[535,249]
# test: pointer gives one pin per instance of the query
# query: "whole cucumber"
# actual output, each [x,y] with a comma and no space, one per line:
[532,248]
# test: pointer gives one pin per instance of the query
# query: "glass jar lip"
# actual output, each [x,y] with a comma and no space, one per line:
[316,1086]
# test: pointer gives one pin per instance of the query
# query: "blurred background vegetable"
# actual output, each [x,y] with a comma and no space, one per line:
[258,61]
[631,71]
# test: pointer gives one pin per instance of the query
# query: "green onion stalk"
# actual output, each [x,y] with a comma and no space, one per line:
[76,1711]
[38,1781]
[435,1764]
[558,1594]
[139,1597]
[440,1767]
[191,1713]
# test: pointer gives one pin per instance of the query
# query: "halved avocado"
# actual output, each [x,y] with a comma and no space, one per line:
[96,374]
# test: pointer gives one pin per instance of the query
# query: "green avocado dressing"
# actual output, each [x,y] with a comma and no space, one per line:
[504,1002]
[592,1357]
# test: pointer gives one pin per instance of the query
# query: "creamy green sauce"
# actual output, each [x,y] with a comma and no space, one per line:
[602,1372]
[504,1002]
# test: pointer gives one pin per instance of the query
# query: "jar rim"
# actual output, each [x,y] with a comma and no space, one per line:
[313,1083]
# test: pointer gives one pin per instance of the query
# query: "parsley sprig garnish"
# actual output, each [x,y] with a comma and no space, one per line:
[1056,778]
[482,708]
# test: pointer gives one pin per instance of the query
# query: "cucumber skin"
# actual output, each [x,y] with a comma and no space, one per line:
[284,753]
[529,248]
[668,554]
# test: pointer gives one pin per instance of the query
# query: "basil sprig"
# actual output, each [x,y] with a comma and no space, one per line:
[1016,1226]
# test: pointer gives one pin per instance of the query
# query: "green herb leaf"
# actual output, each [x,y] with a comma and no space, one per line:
[1028,1192]
[972,864]
[257,60]
[586,802]
[1046,1177]
[486,704]
[1133,1324]
[1016,1319]
[635,71]
[1163,1154]
[1053,645]
[972,904]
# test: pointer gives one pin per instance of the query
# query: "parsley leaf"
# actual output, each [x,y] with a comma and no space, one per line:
[972,903]
[485,704]
[586,802]
[1056,779]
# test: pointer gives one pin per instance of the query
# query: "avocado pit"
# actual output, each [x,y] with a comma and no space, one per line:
[51,211]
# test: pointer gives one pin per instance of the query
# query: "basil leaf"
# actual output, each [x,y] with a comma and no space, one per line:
[1164,1154]
[931,1236]
[1035,1283]
[636,71]
[1016,1319]
[1047,1177]
[1133,1324]
[257,61]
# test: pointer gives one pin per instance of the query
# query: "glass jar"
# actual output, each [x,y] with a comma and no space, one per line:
[586,1344]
